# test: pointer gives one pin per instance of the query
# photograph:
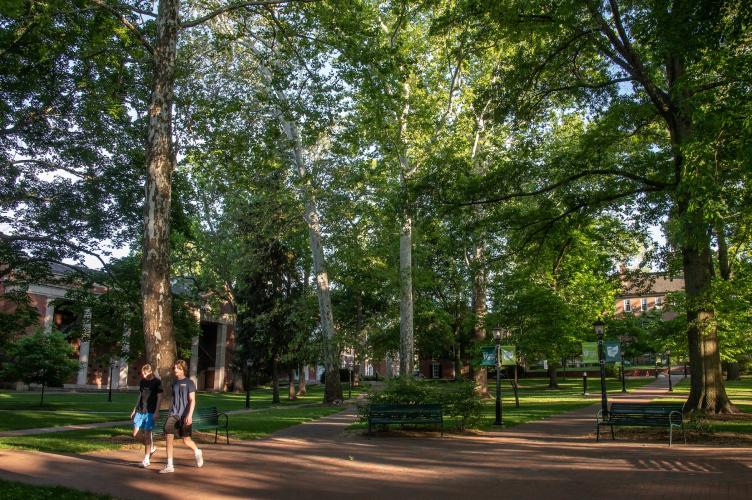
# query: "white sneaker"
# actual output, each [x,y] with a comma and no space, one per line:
[167,469]
[199,458]
[145,463]
[153,450]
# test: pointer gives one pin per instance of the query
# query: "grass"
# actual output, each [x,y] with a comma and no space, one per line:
[537,401]
[740,393]
[12,490]
[253,425]
[21,410]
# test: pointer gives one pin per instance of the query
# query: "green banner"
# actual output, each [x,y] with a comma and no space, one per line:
[590,352]
[508,355]
[489,356]
[613,351]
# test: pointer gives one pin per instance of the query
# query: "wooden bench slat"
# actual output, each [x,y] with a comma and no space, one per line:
[387,414]
[203,418]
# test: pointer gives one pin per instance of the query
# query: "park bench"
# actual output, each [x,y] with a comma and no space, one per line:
[389,413]
[203,419]
[668,415]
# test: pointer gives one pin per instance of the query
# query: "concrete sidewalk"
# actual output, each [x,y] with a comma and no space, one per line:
[553,458]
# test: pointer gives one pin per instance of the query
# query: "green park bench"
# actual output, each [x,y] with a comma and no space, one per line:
[203,419]
[668,415]
[416,414]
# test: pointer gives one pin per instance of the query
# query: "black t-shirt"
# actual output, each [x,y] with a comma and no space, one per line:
[149,389]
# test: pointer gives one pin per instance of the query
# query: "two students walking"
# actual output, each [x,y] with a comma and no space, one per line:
[179,421]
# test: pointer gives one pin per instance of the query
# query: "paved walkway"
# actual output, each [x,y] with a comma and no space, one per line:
[555,458]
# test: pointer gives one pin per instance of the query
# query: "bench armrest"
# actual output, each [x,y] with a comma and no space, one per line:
[675,415]
[599,417]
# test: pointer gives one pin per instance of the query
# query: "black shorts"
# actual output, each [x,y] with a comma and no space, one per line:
[176,425]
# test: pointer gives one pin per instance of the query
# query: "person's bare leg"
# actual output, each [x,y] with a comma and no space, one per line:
[196,452]
[190,444]
[168,445]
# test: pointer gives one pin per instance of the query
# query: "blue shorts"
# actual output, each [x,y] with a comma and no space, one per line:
[143,421]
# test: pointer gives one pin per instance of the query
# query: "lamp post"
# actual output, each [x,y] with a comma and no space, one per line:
[497,339]
[668,363]
[247,383]
[623,376]
[350,373]
[109,382]
[602,360]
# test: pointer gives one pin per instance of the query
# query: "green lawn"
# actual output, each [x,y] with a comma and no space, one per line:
[253,425]
[538,402]
[21,410]
[12,490]
[265,420]
[740,393]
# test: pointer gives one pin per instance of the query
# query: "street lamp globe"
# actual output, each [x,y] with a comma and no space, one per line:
[599,329]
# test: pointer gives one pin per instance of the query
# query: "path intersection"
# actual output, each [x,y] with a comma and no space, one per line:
[553,458]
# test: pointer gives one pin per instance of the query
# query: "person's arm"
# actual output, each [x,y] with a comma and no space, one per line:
[159,403]
[138,400]
[192,399]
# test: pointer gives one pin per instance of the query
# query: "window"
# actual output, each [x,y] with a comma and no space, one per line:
[435,370]
[659,302]
[644,304]
[627,306]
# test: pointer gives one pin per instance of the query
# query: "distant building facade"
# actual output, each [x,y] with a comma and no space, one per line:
[647,293]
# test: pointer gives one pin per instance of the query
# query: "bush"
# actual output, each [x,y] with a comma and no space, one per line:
[458,399]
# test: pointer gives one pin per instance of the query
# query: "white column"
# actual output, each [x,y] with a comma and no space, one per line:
[193,371]
[219,363]
[83,349]
[49,315]
[125,347]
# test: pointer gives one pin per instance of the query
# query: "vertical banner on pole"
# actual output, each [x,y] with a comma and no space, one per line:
[613,351]
[508,355]
[590,352]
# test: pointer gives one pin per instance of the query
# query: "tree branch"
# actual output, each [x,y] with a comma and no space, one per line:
[653,185]
[235,6]
[127,23]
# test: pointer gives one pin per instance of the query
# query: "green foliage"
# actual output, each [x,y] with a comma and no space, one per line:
[42,358]
[457,399]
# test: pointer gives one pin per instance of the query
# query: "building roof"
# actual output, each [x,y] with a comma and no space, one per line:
[637,284]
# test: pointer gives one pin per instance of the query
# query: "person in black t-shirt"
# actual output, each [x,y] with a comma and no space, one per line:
[146,411]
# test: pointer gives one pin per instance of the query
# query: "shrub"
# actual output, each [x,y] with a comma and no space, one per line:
[457,399]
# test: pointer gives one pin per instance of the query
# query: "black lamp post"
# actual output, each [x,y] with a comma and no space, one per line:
[350,372]
[247,383]
[602,360]
[497,339]
[623,375]
[668,363]
[109,391]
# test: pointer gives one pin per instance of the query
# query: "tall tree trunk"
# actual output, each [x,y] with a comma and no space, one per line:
[553,381]
[302,391]
[291,386]
[407,334]
[333,387]
[275,380]
[480,374]
[707,392]
[156,293]
[457,361]
[407,340]
[723,259]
